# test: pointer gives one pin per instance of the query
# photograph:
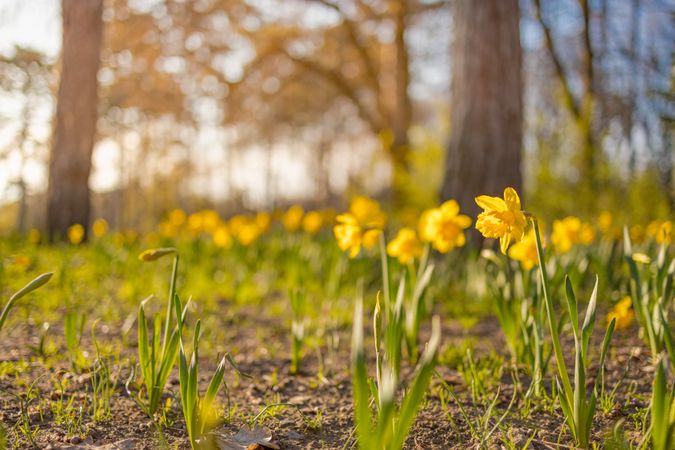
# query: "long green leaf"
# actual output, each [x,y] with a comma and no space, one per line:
[360,381]
[415,395]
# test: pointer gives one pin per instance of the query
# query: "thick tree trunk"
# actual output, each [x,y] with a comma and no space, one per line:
[76,114]
[483,154]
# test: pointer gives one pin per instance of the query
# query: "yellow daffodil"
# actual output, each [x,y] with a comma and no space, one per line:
[367,212]
[245,228]
[263,220]
[222,237]
[605,221]
[177,217]
[444,226]
[348,234]
[501,219]
[99,227]
[569,232]
[195,223]
[405,246]
[351,235]
[660,231]
[525,251]
[210,220]
[292,219]
[312,222]
[623,313]
[75,234]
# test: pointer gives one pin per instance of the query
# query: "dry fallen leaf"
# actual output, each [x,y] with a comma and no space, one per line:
[257,438]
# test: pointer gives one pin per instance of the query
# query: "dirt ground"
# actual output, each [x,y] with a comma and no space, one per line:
[316,411]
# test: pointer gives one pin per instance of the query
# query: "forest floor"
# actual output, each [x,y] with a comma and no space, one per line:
[44,398]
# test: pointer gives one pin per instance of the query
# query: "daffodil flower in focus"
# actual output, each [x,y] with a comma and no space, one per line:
[501,219]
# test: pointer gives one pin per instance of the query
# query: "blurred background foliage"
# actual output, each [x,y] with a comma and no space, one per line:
[258,104]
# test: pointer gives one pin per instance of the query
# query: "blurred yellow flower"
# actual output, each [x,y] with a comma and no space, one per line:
[641,258]
[444,226]
[292,218]
[34,236]
[501,218]
[222,237]
[210,220]
[350,235]
[405,246]
[367,212]
[263,219]
[195,222]
[660,231]
[177,217]
[605,221]
[312,222]
[99,228]
[525,251]
[248,232]
[623,313]
[569,232]
[75,234]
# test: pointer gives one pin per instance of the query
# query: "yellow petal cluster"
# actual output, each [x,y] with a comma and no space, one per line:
[367,212]
[75,233]
[569,232]
[292,218]
[501,219]
[525,251]
[444,226]
[99,227]
[660,231]
[405,246]
[360,226]
[623,313]
[312,222]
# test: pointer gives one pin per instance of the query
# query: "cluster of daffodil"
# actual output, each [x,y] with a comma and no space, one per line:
[245,228]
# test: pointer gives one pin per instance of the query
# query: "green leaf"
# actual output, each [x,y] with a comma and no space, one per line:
[572,307]
[415,395]
[589,321]
[360,381]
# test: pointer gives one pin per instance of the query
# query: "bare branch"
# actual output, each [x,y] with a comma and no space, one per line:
[571,102]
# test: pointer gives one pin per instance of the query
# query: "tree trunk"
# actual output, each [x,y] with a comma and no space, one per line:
[402,115]
[76,114]
[483,154]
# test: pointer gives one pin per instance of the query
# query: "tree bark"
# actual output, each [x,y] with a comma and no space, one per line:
[484,151]
[68,195]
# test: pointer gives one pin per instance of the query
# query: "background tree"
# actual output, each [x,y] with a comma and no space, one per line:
[68,195]
[484,152]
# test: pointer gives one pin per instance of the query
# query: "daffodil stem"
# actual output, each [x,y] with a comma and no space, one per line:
[552,322]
